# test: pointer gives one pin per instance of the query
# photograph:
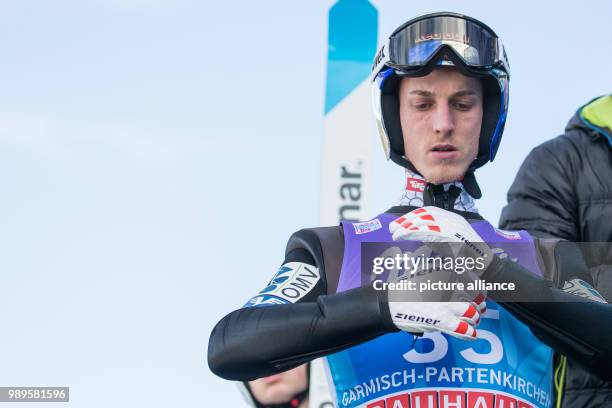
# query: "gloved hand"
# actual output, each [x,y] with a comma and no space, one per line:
[458,319]
[445,232]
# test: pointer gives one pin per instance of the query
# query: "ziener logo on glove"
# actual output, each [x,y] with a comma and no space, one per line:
[470,244]
[417,319]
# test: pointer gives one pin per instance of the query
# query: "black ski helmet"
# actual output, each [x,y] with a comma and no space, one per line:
[418,46]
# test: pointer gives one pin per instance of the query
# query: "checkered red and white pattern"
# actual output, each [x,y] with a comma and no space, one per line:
[433,225]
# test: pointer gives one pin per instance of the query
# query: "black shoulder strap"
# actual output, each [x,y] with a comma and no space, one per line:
[545,251]
[561,261]
[326,244]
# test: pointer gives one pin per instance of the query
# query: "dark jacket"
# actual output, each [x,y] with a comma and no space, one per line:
[564,189]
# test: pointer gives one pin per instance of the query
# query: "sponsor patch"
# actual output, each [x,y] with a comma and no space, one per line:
[502,254]
[415,184]
[367,226]
[513,235]
[450,399]
[257,301]
[581,288]
[293,281]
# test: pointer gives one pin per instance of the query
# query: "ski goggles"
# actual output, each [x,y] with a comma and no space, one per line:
[413,45]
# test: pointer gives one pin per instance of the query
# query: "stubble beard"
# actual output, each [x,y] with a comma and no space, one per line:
[444,173]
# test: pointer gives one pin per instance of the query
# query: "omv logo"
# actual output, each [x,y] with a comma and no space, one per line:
[281,277]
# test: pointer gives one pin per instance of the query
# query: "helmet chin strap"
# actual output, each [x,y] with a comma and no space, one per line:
[469,180]
[471,185]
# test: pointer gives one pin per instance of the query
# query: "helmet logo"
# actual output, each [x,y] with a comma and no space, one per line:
[379,57]
[443,36]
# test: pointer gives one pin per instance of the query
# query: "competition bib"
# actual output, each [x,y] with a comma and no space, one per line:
[506,367]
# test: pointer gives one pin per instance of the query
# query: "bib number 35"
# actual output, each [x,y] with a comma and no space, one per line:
[440,347]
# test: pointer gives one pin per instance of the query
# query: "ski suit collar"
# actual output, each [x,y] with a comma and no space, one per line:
[417,193]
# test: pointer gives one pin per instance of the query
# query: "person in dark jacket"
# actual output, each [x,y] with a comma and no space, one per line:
[564,189]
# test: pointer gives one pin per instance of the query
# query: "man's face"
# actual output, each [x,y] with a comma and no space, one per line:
[280,388]
[441,116]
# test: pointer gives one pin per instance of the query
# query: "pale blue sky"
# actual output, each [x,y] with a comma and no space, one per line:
[157,154]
